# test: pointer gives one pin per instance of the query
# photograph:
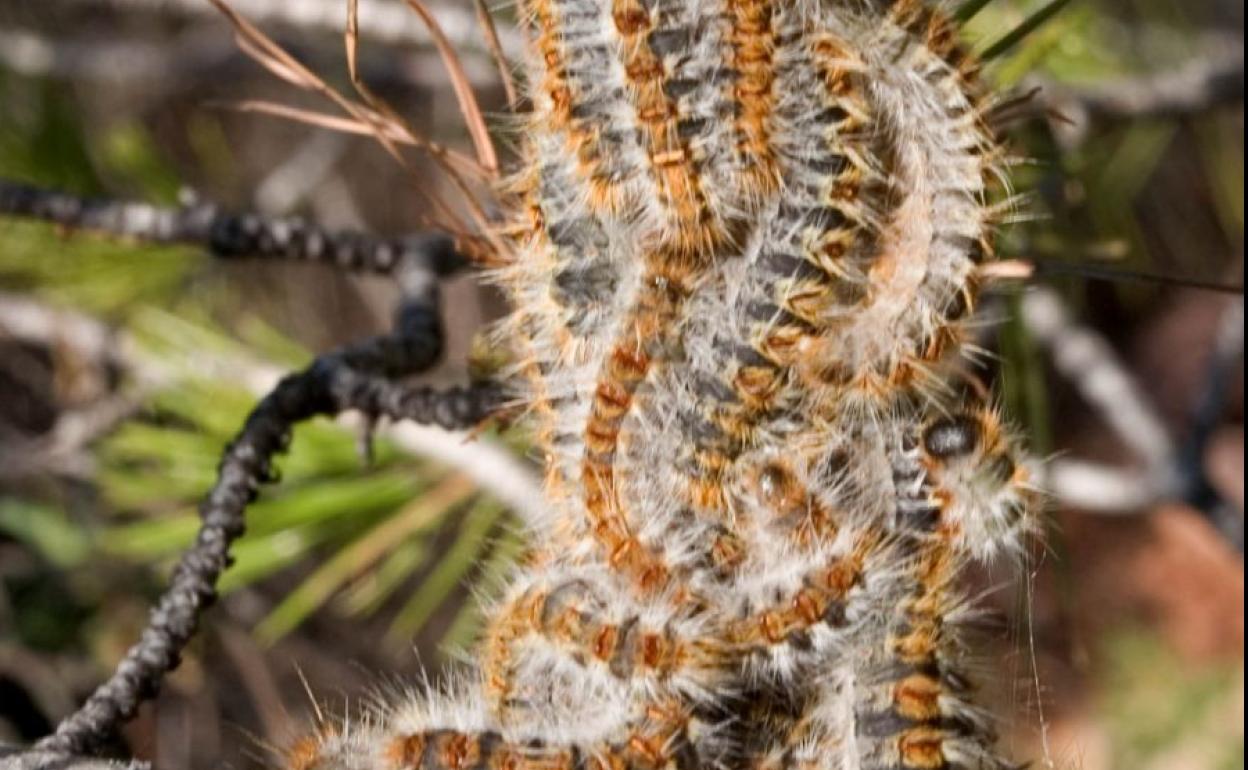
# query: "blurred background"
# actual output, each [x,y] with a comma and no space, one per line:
[124,368]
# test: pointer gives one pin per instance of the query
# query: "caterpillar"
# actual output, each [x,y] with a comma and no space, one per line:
[743,243]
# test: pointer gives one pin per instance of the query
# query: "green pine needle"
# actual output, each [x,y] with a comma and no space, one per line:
[453,566]
[360,555]
[1029,25]
[967,10]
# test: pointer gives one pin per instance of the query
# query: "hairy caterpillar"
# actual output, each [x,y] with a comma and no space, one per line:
[745,245]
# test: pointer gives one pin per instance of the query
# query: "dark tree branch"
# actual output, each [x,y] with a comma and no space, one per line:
[456,408]
[360,376]
[1211,80]
[1207,413]
[227,235]
[16,759]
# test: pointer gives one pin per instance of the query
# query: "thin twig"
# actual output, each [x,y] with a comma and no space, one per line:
[495,46]
[1088,360]
[1210,79]
[387,116]
[162,66]
[17,759]
[395,133]
[224,234]
[463,87]
[273,57]
[356,377]
[1226,360]
[64,449]
[494,468]
[303,171]
[1104,489]
[1091,365]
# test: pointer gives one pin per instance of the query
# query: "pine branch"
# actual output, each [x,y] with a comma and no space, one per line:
[16,759]
[494,468]
[1226,359]
[1088,361]
[359,377]
[227,235]
[1212,79]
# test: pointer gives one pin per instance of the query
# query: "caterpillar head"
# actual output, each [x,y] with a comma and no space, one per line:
[981,480]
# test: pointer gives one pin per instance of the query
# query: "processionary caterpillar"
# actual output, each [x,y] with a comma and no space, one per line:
[744,242]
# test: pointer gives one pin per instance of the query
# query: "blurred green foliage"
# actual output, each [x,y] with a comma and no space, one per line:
[330,507]
[1163,711]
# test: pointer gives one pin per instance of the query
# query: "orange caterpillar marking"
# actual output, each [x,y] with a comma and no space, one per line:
[792,504]
[454,750]
[305,753]
[706,491]
[925,611]
[443,749]
[938,32]
[660,298]
[753,43]
[833,242]
[605,195]
[565,617]
[658,742]
[917,697]
[695,231]
[555,84]
[727,552]
[841,72]
[755,387]
[654,745]
[921,646]
[405,751]
[545,417]
[529,229]
[922,748]
[508,625]
[818,600]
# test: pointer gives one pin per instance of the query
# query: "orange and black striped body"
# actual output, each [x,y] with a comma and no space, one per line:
[745,249]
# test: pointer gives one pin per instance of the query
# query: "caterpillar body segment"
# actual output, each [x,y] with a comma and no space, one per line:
[452,733]
[930,148]
[746,238]
[576,101]
[765,311]
[575,628]
[659,45]
[753,38]
[912,701]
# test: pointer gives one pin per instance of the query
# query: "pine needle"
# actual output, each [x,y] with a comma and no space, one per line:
[496,52]
[463,88]
[1029,25]
[969,9]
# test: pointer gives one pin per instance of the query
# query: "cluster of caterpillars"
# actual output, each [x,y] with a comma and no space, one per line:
[746,237]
